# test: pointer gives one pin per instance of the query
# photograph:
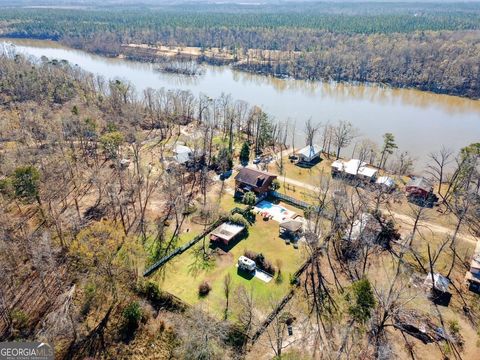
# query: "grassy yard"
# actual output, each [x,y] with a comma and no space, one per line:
[188,271]
[309,176]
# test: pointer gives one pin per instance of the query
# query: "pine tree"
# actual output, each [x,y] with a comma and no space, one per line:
[387,149]
[245,153]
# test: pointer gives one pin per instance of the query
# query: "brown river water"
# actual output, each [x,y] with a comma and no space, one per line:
[421,121]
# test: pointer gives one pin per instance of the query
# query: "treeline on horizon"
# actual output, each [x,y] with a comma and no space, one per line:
[432,47]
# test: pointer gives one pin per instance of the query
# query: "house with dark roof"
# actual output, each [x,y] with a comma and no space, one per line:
[253,180]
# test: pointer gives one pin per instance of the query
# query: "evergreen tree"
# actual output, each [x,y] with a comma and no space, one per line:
[387,149]
[26,183]
[363,301]
[245,153]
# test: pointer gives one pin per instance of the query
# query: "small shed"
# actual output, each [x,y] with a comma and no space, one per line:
[419,187]
[386,182]
[439,282]
[472,277]
[309,153]
[246,264]
[226,232]
[366,227]
[182,154]
[291,228]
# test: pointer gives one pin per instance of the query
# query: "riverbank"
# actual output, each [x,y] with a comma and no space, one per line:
[420,121]
[316,65]
[297,65]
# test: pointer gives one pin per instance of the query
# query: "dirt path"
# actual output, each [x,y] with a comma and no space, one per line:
[439,229]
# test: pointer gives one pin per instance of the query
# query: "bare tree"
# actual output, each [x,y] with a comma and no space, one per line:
[439,161]
[310,132]
[343,134]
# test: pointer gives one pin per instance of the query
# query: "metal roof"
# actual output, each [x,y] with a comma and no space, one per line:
[310,151]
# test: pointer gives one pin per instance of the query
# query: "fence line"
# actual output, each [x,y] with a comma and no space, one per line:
[188,245]
[266,323]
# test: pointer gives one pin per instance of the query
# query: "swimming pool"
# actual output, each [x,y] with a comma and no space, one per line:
[279,213]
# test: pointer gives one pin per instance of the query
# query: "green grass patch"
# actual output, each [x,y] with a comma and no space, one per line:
[183,275]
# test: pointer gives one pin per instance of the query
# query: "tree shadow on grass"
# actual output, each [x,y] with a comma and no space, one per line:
[202,261]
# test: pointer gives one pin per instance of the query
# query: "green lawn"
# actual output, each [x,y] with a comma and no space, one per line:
[186,272]
[310,176]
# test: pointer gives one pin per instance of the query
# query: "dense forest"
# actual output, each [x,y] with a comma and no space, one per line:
[433,47]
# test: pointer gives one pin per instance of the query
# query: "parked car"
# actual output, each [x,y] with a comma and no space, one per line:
[226,175]
[267,159]
[257,160]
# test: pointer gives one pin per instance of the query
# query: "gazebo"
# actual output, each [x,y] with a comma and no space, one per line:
[291,228]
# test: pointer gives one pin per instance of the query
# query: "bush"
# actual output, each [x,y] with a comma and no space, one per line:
[249,198]
[26,182]
[275,185]
[260,261]
[239,220]
[204,288]
[364,301]
[132,314]
[20,322]
[279,278]
[6,187]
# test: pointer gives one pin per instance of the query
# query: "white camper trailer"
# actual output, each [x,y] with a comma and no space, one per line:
[246,264]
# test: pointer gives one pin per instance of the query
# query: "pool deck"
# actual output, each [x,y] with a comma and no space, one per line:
[274,210]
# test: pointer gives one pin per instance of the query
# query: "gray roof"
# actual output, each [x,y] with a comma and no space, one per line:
[291,225]
[310,151]
[227,231]
[182,153]
[421,183]
[441,282]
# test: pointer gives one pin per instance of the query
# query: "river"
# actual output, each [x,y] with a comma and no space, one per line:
[422,122]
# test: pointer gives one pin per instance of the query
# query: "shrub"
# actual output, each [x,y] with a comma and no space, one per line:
[454,327]
[19,321]
[26,182]
[260,261]
[249,198]
[6,187]
[151,292]
[239,220]
[204,288]
[275,185]
[363,301]
[279,278]
[132,314]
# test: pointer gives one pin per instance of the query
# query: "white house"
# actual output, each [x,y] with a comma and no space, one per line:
[354,168]
[309,153]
